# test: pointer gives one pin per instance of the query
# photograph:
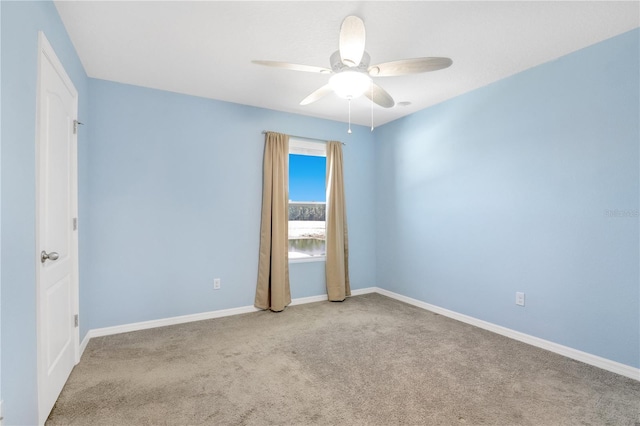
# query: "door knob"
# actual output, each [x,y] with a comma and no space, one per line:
[51,256]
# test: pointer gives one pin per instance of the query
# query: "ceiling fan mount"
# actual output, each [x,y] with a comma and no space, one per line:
[338,66]
[351,69]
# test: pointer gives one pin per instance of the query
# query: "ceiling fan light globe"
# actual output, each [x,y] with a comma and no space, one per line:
[350,84]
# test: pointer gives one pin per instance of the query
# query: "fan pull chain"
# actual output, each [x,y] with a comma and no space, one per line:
[349,131]
[372,106]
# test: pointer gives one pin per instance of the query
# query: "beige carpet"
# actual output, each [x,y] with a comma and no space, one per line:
[369,360]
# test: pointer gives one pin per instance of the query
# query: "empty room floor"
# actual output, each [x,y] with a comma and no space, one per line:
[370,360]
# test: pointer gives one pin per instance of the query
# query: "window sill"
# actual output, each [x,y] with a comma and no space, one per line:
[308,259]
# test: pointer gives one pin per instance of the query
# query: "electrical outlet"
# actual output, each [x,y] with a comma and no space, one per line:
[216,284]
[519,298]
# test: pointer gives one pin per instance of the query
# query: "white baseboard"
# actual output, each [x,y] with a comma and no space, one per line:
[367,290]
[310,299]
[587,358]
[323,297]
[144,325]
[596,361]
[125,328]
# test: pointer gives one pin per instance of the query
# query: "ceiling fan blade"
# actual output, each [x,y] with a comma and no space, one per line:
[380,96]
[352,38]
[294,67]
[409,66]
[320,93]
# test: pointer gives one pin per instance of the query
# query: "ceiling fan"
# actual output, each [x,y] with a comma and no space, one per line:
[351,72]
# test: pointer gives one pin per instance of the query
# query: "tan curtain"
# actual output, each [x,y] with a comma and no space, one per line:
[272,291]
[337,249]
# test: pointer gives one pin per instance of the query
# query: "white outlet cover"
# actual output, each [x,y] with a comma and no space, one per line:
[519,298]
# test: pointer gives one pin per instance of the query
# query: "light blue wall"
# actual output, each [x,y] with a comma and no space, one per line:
[507,189]
[174,202]
[501,190]
[21,22]
[0,209]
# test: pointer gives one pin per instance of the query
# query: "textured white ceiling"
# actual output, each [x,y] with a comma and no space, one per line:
[205,48]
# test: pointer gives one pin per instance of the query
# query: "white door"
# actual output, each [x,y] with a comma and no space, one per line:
[56,236]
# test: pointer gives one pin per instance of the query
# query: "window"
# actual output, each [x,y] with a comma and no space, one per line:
[307,199]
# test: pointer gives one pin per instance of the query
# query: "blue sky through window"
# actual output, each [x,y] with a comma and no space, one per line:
[307,178]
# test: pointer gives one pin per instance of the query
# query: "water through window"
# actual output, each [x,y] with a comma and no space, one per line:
[307,199]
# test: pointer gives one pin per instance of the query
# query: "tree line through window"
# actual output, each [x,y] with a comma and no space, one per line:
[307,199]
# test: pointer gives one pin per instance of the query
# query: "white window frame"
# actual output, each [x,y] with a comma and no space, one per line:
[315,149]
[306,147]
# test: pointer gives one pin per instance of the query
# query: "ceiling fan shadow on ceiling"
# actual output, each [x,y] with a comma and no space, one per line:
[351,72]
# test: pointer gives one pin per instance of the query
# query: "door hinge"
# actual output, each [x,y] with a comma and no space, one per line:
[75,320]
[75,223]
[76,123]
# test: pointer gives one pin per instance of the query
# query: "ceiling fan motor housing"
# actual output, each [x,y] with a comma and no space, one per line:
[338,66]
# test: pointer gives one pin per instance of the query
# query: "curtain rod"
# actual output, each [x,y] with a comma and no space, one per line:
[300,137]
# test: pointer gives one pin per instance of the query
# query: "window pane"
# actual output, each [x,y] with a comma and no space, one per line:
[307,178]
[306,206]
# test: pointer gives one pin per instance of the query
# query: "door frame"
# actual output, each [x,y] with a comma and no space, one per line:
[46,53]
